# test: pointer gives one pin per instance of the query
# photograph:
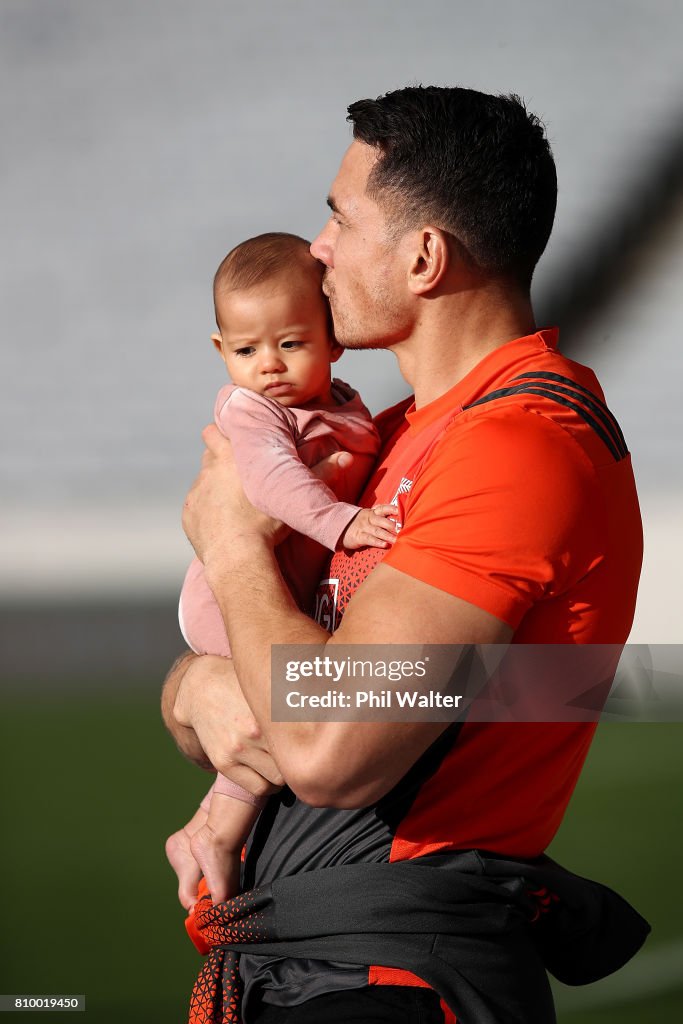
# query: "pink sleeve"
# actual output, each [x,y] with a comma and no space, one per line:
[274,478]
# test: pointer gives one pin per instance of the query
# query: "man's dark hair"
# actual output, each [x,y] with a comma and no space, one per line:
[474,165]
[261,259]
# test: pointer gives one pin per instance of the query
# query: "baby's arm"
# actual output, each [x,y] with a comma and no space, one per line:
[272,474]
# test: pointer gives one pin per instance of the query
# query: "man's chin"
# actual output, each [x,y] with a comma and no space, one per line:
[352,341]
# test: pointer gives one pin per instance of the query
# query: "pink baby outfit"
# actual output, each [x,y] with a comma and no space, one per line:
[273,446]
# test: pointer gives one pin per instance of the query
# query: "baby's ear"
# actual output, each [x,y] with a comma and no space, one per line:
[218,344]
[336,351]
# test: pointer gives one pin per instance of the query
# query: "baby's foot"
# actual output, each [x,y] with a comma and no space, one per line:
[179,854]
[219,865]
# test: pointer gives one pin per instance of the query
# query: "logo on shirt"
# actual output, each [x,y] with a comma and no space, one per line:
[326,604]
[403,488]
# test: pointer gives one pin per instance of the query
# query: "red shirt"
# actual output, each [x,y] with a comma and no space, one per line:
[517,506]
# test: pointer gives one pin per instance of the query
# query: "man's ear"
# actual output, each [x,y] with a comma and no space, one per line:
[431,258]
[218,344]
[336,351]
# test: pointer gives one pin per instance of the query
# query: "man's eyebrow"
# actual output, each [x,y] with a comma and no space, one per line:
[332,205]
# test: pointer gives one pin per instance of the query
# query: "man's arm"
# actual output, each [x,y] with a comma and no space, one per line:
[330,763]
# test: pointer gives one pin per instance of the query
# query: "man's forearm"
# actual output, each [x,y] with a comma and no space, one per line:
[259,611]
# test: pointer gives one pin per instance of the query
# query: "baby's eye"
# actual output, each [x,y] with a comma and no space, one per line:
[248,350]
[292,344]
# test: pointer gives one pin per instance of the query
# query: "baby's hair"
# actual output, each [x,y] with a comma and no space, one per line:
[261,259]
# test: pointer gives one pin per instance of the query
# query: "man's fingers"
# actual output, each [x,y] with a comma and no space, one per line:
[215,442]
[330,469]
[209,698]
[343,460]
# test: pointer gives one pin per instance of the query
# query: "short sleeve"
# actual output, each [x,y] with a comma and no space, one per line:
[505,512]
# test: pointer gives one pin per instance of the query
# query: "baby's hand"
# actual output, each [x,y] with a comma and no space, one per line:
[373,527]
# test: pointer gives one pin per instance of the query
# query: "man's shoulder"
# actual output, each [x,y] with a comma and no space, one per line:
[553,410]
[509,457]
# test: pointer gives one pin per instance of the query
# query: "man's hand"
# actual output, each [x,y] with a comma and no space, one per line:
[217,514]
[185,738]
[209,703]
[332,468]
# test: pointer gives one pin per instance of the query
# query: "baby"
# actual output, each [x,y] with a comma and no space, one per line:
[282,413]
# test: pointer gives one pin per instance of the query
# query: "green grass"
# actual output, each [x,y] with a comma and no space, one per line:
[624,827]
[93,785]
[96,787]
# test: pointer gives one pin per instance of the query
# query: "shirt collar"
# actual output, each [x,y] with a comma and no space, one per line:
[492,371]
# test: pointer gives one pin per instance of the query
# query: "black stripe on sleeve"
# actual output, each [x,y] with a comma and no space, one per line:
[547,392]
[598,407]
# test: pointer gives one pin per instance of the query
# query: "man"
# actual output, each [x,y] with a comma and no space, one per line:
[519,523]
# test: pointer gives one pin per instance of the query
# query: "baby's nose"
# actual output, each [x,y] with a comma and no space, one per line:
[272,363]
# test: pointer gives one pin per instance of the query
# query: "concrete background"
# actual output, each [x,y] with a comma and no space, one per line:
[140,141]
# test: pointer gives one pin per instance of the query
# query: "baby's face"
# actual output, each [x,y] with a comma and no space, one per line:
[275,340]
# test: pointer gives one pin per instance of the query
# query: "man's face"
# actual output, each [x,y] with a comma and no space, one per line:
[364,278]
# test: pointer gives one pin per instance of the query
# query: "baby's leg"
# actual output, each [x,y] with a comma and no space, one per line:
[180,856]
[201,622]
[217,845]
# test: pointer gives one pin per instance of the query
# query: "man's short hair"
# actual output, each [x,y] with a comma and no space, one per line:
[262,259]
[477,166]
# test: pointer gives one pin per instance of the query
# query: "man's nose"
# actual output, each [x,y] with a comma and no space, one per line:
[321,247]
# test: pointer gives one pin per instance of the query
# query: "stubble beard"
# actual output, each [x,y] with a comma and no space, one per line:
[351,332]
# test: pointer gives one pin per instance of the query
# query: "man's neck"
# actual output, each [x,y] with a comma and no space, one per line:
[454,333]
